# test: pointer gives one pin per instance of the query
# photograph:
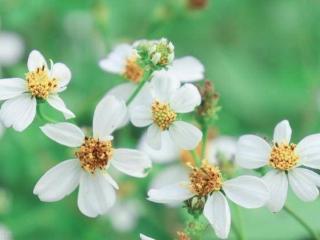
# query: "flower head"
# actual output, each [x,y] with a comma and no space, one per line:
[93,157]
[160,113]
[40,84]
[287,162]
[206,191]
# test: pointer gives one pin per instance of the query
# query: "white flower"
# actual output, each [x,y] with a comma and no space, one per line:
[144,237]
[41,83]
[287,161]
[246,191]
[11,48]
[88,168]
[5,233]
[224,146]
[125,215]
[161,113]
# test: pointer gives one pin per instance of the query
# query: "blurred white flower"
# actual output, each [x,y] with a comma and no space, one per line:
[144,237]
[206,183]
[2,129]
[11,48]
[287,161]
[125,215]
[92,159]
[161,109]
[222,146]
[5,233]
[21,95]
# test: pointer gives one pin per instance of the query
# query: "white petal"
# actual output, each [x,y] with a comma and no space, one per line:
[277,183]
[11,87]
[185,99]
[171,194]
[247,191]
[187,69]
[59,181]
[154,137]
[144,237]
[61,73]
[252,152]
[18,112]
[168,152]
[115,62]
[308,150]
[303,187]
[108,115]
[170,175]
[185,135]
[310,175]
[110,180]
[11,48]
[56,102]
[96,195]
[36,60]
[225,146]
[141,116]
[132,162]
[64,133]
[163,86]
[217,211]
[282,132]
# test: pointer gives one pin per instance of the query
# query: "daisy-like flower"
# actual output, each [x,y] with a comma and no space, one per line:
[123,60]
[11,48]
[207,189]
[287,161]
[160,112]
[92,159]
[40,84]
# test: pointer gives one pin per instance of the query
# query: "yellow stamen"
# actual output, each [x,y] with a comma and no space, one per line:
[162,114]
[283,156]
[133,71]
[94,154]
[40,84]
[206,179]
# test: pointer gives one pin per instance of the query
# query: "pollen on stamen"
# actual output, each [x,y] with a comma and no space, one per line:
[162,114]
[283,156]
[205,179]
[133,71]
[94,154]
[40,84]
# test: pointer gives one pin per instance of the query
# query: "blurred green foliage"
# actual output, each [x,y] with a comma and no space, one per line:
[262,56]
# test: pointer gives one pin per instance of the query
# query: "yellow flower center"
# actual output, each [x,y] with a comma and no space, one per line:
[162,114]
[40,84]
[283,156]
[205,180]
[133,71]
[94,154]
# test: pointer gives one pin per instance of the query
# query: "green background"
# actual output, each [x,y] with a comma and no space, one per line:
[262,56]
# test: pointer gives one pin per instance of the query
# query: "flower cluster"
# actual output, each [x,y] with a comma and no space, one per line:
[159,95]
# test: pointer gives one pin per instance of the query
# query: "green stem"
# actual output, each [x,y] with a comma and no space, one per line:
[145,79]
[312,233]
[196,158]
[236,230]
[239,222]
[43,116]
[204,140]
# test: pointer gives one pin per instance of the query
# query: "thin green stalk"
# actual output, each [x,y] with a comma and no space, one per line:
[312,233]
[196,158]
[145,79]
[236,230]
[204,140]
[239,227]
[43,116]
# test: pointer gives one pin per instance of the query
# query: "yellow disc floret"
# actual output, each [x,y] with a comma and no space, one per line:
[162,114]
[283,156]
[94,154]
[133,71]
[40,84]
[205,180]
